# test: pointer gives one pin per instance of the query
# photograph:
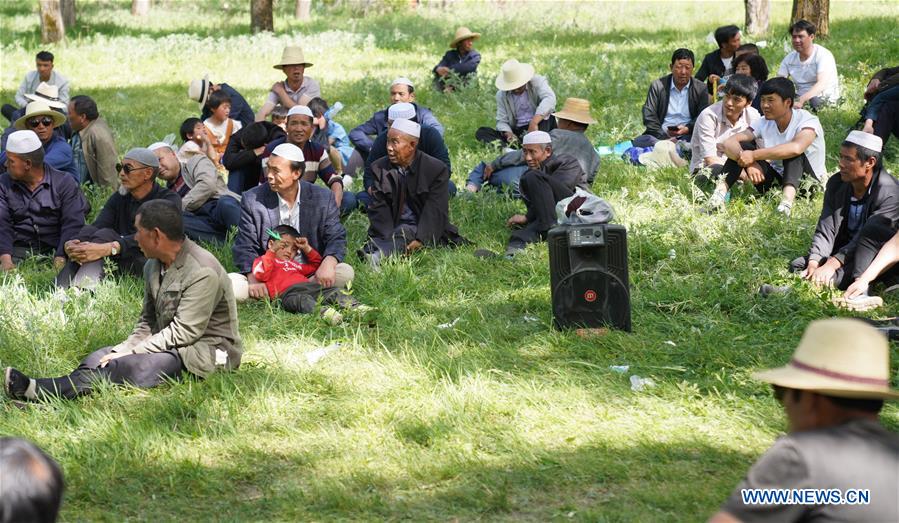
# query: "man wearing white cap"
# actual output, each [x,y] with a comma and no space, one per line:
[300,128]
[550,177]
[199,91]
[860,213]
[43,73]
[287,199]
[296,89]
[430,142]
[524,103]
[41,208]
[832,391]
[401,91]
[410,199]
[43,120]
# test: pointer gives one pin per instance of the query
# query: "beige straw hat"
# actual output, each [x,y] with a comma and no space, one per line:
[48,94]
[463,33]
[661,156]
[840,357]
[292,55]
[576,110]
[513,75]
[39,109]
[198,90]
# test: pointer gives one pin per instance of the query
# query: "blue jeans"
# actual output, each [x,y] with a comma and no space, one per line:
[211,222]
[873,107]
[364,199]
[348,203]
[500,179]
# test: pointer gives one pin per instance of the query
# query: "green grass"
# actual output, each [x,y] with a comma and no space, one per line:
[499,417]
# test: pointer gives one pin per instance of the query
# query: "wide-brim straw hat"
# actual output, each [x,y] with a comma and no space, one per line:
[513,74]
[463,33]
[660,155]
[198,90]
[840,357]
[576,110]
[48,94]
[39,108]
[292,55]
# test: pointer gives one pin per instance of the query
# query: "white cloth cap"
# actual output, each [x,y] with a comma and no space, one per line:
[407,126]
[289,151]
[160,145]
[300,109]
[402,110]
[402,80]
[868,141]
[536,137]
[23,142]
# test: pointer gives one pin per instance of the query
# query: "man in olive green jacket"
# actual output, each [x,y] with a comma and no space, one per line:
[93,145]
[188,321]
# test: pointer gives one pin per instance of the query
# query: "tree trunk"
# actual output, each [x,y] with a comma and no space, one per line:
[52,25]
[757,16]
[261,18]
[68,12]
[140,7]
[815,11]
[304,10]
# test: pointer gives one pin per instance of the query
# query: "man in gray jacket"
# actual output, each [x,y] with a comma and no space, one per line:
[524,103]
[210,209]
[188,322]
[93,146]
[673,102]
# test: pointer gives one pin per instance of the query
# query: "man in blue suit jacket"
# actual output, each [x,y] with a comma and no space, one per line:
[286,200]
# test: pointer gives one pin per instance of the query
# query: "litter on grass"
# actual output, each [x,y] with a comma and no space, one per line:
[314,356]
[638,383]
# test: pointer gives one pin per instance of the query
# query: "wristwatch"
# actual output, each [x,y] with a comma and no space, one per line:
[113,251]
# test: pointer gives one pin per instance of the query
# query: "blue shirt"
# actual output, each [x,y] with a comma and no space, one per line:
[678,106]
[78,156]
[461,65]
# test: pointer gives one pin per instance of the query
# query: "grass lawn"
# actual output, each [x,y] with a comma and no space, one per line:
[498,417]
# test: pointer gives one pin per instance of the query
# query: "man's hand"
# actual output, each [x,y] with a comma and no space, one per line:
[755,174]
[517,219]
[872,87]
[86,252]
[714,79]
[6,263]
[535,123]
[327,272]
[443,70]
[259,150]
[858,288]
[746,159]
[278,89]
[510,137]
[59,262]
[799,102]
[303,244]
[104,361]
[824,274]
[488,171]
[413,246]
[680,131]
[257,291]
[809,270]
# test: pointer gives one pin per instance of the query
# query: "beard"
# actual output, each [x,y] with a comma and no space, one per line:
[122,190]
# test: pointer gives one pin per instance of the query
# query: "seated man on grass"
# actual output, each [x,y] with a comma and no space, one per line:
[783,146]
[44,121]
[811,67]
[719,62]
[296,88]
[673,103]
[832,392]
[243,156]
[524,103]
[188,322]
[460,64]
[410,199]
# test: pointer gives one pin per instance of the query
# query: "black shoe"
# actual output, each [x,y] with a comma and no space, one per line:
[484,253]
[767,289]
[16,384]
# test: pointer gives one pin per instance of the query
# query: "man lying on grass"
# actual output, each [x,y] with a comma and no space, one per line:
[188,321]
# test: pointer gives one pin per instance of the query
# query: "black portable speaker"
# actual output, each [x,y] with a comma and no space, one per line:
[588,276]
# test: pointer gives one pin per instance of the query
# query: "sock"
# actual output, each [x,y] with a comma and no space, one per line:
[31,391]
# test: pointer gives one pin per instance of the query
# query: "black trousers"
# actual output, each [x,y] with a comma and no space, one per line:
[793,169]
[874,234]
[540,192]
[140,370]
[127,262]
[302,297]
[489,135]
[887,121]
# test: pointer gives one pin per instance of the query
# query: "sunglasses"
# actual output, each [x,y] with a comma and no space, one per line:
[128,169]
[34,123]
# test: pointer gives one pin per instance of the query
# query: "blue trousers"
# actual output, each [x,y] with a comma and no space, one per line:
[502,179]
[873,107]
[211,222]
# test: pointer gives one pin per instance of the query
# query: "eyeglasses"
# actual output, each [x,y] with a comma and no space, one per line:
[46,121]
[128,169]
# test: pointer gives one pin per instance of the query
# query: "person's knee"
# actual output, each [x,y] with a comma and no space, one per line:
[343,275]
[240,286]
[799,264]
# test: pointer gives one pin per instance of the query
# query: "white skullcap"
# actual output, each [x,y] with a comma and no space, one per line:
[868,141]
[536,137]
[407,126]
[402,110]
[402,80]
[23,142]
[300,109]
[289,151]
[160,145]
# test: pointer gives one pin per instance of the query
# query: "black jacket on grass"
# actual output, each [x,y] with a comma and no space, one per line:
[831,236]
[656,106]
[430,142]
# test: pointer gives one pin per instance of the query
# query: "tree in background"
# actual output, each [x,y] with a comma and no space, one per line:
[53,27]
[140,7]
[261,18]
[68,13]
[757,16]
[304,10]
[816,12]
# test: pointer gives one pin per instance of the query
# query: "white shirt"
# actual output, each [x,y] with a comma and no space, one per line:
[805,74]
[767,135]
[712,129]
[219,130]
[727,63]
[678,106]
[290,215]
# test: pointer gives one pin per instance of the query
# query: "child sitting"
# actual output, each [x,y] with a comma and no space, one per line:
[329,133]
[288,279]
[279,116]
[219,124]
[196,141]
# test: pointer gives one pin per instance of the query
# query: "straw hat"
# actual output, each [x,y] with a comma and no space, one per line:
[463,33]
[292,55]
[39,109]
[576,110]
[660,156]
[198,90]
[48,94]
[840,357]
[513,75]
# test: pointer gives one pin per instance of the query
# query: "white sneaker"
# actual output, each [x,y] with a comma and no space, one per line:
[785,208]
[332,316]
[859,303]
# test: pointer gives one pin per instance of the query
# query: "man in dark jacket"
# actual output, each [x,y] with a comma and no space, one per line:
[882,89]
[673,103]
[860,213]
[718,63]
[550,178]
[410,201]
[243,155]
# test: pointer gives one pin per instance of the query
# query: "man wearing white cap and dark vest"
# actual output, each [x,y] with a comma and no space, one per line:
[41,208]
[410,199]
[188,322]
[860,213]
[43,120]
[287,199]
[401,91]
[199,91]
[430,142]
[300,127]
[296,89]
[111,235]
[837,462]
[550,177]
[524,103]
